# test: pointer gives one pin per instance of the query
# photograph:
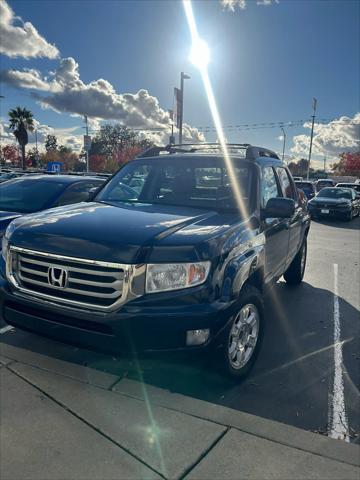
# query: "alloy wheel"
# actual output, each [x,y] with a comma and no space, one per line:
[243,336]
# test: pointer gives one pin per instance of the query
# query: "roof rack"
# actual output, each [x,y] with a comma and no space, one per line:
[251,152]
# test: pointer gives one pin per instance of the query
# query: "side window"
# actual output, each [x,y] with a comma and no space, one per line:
[136,179]
[76,193]
[286,184]
[269,186]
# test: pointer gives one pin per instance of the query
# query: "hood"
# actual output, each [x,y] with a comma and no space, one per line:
[330,201]
[6,218]
[126,234]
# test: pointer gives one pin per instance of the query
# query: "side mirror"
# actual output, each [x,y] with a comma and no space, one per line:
[92,193]
[279,208]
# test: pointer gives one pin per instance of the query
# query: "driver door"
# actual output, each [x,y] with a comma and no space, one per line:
[276,230]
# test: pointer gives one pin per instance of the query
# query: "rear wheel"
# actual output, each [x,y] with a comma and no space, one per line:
[243,335]
[295,272]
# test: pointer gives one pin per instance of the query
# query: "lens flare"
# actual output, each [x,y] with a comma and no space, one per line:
[200,54]
[198,45]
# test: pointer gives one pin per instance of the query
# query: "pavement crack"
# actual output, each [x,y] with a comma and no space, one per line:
[204,453]
[86,422]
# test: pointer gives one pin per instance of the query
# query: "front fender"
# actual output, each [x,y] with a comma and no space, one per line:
[243,266]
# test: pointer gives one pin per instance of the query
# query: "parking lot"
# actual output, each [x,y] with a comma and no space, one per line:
[296,378]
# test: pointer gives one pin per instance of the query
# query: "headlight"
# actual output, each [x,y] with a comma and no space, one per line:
[4,247]
[5,240]
[161,277]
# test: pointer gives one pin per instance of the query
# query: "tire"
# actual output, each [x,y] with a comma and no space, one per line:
[295,272]
[350,216]
[241,342]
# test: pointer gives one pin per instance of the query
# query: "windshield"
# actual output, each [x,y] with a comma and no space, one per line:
[28,195]
[324,183]
[201,182]
[354,186]
[306,187]
[336,193]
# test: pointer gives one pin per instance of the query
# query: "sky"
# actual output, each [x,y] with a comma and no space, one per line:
[120,60]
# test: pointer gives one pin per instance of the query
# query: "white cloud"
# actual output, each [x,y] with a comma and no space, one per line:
[242,4]
[27,78]
[266,3]
[232,4]
[65,136]
[21,39]
[331,139]
[65,92]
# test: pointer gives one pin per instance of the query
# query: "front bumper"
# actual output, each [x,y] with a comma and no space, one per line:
[158,323]
[333,212]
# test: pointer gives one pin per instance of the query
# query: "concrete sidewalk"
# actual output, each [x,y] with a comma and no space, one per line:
[60,420]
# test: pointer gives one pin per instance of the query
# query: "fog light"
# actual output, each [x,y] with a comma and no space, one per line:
[197,337]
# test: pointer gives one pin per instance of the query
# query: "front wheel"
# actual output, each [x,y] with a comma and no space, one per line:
[295,272]
[243,335]
[350,216]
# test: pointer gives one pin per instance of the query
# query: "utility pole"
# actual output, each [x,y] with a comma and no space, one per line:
[36,148]
[183,77]
[86,146]
[284,141]
[325,164]
[1,153]
[312,135]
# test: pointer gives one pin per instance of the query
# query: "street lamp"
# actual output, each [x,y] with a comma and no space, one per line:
[183,77]
[312,136]
[284,141]
[36,148]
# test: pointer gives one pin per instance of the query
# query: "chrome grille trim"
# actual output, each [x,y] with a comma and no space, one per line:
[106,282]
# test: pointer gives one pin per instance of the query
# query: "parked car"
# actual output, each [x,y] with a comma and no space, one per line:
[354,186]
[307,187]
[323,183]
[29,194]
[181,265]
[5,176]
[335,202]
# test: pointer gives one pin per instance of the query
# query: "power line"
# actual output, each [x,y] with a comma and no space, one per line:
[240,127]
[256,126]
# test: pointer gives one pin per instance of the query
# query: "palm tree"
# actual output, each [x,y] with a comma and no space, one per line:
[21,121]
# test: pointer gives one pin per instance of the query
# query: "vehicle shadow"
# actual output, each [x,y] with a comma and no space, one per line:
[354,224]
[290,381]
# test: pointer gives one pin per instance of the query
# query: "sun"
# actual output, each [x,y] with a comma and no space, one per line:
[200,54]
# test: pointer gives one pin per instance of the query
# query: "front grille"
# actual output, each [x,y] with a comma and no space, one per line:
[86,283]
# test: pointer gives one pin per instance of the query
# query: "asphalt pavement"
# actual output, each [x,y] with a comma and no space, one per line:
[297,379]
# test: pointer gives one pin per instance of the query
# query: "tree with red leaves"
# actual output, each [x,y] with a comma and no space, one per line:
[97,163]
[349,164]
[10,154]
[126,154]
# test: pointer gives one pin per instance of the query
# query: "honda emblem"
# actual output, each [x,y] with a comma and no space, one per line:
[57,277]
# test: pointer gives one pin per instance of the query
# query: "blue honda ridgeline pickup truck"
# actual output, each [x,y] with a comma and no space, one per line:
[173,252]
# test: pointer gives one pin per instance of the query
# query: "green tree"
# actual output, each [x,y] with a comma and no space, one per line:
[51,143]
[299,168]
[21,121]
[32,157]
[113,140]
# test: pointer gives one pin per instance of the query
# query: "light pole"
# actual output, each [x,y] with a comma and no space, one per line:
[183,77]
[312,135]
[1,153]
[87,141]
[36,148]
[284,141]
